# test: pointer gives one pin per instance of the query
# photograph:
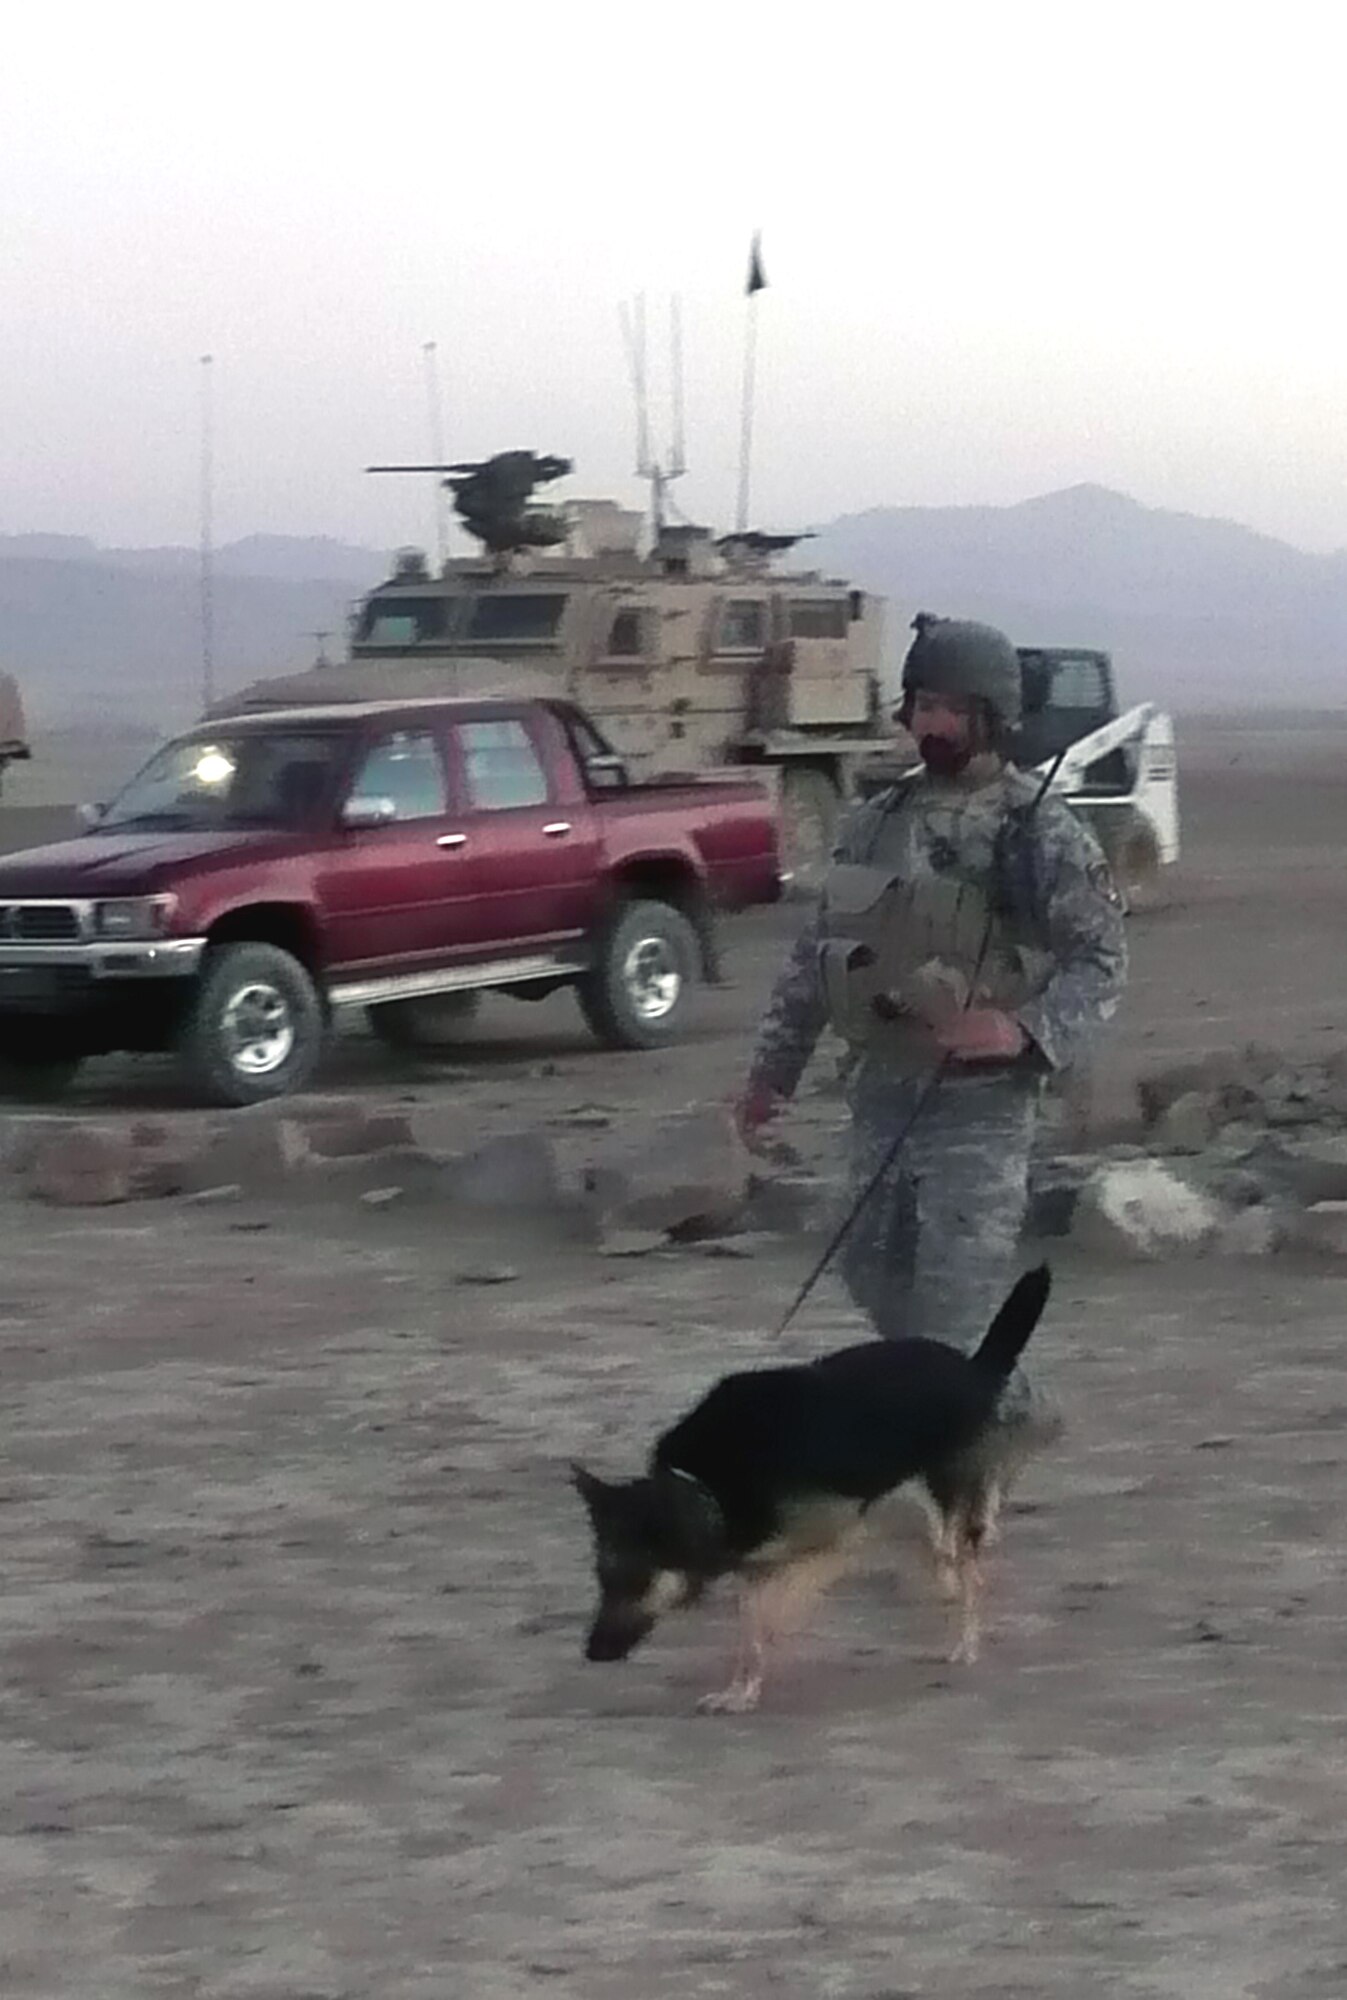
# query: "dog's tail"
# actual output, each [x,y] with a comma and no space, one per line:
[1008,1335]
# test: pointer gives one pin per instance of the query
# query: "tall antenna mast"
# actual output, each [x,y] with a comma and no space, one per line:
[207,536]
[435,417]
[757,282]
[678,462]
[659,476]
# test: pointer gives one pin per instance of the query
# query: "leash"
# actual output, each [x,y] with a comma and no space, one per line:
[930,1084]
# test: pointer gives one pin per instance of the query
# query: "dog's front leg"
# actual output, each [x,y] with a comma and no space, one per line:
[776,1606]
[745,1689]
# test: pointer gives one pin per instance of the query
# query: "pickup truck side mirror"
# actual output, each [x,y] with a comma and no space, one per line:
[364,810]
[608,770]
[89,816]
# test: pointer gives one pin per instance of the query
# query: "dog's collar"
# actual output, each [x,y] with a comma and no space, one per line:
[704,1493]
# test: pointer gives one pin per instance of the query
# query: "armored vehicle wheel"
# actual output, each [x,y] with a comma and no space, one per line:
[810,810]
[255,1029]
[635,994]
[424,1026]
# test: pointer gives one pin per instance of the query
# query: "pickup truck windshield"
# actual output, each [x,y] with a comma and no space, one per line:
[250,779]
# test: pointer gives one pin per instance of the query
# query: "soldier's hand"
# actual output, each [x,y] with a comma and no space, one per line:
[758,1106]
[982,1034]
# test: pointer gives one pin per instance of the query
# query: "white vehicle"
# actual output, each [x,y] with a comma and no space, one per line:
[1120,772]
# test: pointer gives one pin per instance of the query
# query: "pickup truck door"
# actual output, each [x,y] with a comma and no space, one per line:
[533,839]
[393,895]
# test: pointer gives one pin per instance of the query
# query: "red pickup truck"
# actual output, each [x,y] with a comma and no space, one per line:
[269,868]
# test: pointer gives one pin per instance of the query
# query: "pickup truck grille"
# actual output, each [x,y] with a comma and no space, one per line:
[39,923]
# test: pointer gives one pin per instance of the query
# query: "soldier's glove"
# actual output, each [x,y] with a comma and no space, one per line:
[758,1106]
[982,1034]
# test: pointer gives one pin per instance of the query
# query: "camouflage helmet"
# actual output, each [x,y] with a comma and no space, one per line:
[954,656]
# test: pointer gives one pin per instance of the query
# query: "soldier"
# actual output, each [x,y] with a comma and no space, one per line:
[966,922]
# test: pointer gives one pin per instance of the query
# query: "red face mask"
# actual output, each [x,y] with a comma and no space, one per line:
[942,758]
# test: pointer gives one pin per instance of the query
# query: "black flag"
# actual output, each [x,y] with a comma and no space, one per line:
[757,277]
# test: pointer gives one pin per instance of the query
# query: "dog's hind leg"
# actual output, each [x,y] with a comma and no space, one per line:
[969,1571]
[990,1514]
[944,1501]
[945,1554]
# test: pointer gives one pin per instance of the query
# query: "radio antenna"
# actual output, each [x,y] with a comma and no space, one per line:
[678,460]
[435,416]
[207,535]
[659,477]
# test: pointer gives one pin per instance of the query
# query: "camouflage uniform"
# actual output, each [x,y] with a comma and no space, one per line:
[932,1251]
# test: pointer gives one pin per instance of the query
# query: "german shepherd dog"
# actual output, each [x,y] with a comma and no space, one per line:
[769,1478]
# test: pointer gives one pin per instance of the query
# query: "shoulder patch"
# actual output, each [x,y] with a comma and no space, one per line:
[1100,878]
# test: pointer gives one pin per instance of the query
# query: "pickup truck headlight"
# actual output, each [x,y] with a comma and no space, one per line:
[134,917]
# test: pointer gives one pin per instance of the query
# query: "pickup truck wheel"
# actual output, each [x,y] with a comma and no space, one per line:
[255,1029]
[635,995]
[810,810]
[424,1026]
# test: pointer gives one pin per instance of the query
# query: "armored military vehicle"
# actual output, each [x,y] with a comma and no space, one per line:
[690,651]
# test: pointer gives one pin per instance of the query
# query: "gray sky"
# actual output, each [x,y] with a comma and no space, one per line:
[1010,248]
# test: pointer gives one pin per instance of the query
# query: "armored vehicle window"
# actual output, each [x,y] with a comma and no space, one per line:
[406,769]
[516,616]
[401,621]
[625,638]
[502,765]
[818,618]
[1077,684]
[743,626]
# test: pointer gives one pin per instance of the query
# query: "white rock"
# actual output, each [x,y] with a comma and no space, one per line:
[1141,1209]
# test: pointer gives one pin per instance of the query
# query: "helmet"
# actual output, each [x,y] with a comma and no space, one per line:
[955,656]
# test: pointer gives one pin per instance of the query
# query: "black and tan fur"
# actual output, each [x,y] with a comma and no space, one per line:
[770,1476]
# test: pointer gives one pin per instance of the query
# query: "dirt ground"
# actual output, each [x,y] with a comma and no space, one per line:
[291,1695]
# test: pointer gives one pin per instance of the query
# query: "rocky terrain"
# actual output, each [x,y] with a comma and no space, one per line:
[294,1580]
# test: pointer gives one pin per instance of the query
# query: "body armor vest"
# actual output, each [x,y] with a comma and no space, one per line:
[923,922]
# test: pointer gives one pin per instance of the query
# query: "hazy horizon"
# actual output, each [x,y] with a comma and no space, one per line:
[1006,253]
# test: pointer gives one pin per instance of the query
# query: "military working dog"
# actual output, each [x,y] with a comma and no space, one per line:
[770,1476]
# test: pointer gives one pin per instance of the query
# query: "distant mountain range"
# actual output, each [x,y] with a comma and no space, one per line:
[1198,613]
[103,636]
[286,558]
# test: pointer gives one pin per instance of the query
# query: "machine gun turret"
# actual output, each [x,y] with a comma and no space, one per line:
[492,499]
